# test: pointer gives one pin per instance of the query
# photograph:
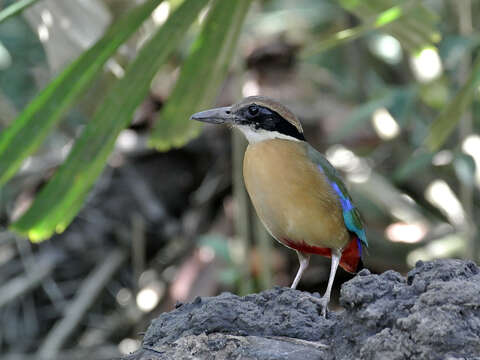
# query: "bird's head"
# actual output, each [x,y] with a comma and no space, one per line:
[258,118]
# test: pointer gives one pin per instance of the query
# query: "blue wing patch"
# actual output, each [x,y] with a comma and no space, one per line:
[351,217]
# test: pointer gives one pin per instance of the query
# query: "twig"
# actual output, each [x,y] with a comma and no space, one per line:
[54,293]
[212,184]
[151,207]
[175,249]
[465,25]
[30,323]
[15,8]
[86,295]
[122,318]
[43,267]
[264,243]
[138,248]
[242,217]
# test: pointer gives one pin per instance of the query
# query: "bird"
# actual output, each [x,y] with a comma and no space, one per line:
[297,193]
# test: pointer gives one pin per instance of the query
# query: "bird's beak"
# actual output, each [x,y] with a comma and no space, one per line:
[220,115]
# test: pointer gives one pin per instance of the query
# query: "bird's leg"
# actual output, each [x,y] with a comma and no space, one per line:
[304,260]
[333,269]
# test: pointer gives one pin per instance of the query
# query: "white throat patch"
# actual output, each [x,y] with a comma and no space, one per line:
[255,136]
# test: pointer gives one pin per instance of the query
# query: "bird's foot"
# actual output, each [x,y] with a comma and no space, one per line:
[322,302]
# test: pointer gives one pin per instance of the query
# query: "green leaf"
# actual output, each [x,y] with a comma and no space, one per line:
[201,74]
[15,8]
[389,16]
[32,126]
[435,93]
[415,163]
[378,21]
[446,122]
[408,21]
[61,199]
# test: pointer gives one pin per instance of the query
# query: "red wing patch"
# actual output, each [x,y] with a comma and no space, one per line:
[308,249]
[350,256]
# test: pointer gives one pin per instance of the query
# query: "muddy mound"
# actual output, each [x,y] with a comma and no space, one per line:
[433,313]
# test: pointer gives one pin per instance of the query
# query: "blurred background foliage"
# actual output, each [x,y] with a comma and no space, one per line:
[96,145]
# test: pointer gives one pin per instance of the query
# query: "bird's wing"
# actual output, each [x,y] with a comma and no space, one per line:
[351,215]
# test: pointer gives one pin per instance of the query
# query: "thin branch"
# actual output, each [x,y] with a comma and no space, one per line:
[15,8]
[465,26]
[86,295]
[29,281]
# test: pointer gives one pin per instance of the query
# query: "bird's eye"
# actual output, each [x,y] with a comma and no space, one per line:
[253,110]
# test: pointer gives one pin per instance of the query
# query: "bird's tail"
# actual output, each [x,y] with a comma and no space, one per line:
[351,259]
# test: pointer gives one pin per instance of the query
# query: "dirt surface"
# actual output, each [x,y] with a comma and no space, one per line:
[433,313]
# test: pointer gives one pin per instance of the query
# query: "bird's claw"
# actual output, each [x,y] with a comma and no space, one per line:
[322,302]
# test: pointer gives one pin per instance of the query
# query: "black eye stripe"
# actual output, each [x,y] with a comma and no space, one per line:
[264,118]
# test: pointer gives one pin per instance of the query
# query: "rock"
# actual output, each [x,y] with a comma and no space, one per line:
[434,313]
